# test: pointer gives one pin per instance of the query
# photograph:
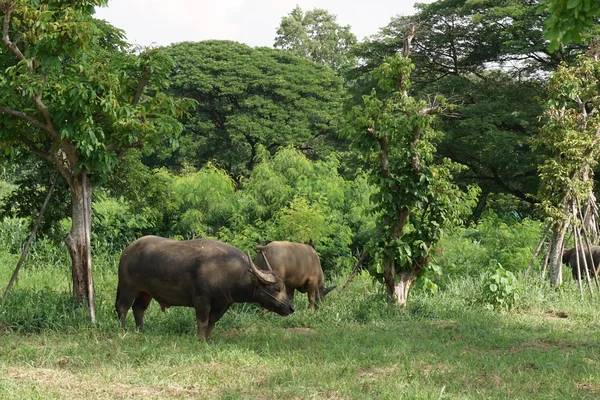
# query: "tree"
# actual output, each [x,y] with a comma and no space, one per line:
[490,58]
[416,197]
[77,97]
[252,98]
[316,35]
[572,133]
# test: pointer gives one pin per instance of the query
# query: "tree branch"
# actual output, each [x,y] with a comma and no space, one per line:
[142,83]
[34,148]
[44,110]
[7,9]
[26,117]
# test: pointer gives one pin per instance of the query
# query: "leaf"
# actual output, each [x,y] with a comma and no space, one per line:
[573,3]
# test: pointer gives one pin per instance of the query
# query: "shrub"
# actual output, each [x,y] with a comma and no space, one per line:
[500,288]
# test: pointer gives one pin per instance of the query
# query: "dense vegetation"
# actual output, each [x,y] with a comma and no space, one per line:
[434,149]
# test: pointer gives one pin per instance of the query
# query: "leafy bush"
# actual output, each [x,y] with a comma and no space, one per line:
[6,189]
[468,251]
[114,224]
[500,288]
[13,234]
[206,201]
[289,197]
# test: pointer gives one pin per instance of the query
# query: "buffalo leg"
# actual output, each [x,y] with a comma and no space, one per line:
[312,298]
[202,317]
[216,312]
[140,305]
[124,300]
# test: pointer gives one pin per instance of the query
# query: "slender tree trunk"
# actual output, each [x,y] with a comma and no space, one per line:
[389,275]
[389,263]
[78,241]
[555,260]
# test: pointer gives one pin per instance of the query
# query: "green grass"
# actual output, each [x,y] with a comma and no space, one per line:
[357,346]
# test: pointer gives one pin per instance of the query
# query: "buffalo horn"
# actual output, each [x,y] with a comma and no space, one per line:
[266,261]
[267,279]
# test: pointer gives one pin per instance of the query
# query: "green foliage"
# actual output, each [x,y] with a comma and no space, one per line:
[416,199]
[114,224]
[316,35]
[469,251]
[6,188]
[32,178]
[567,20]
[570,132]
[206,200]
[74,86]
[13,233]
[250,99]
[149,192]
[500,288]
[289,197]
[486,56]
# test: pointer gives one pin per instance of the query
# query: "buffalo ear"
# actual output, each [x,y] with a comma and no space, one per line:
[327,290]
[260,276]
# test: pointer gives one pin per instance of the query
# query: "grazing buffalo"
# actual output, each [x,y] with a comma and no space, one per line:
[299,266]
[201,273]
[569,257]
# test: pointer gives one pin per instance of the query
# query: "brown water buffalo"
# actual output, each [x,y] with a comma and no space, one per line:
[201,273]
[299,266]
[569,258]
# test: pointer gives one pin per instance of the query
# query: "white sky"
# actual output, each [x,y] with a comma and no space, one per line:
[254,22]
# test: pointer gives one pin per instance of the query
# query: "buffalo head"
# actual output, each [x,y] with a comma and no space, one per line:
[269,289]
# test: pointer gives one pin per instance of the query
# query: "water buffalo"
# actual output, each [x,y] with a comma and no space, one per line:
[569,258]
[299,266]
[202,273]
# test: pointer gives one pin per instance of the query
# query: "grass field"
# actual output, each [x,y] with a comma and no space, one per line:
[357,346]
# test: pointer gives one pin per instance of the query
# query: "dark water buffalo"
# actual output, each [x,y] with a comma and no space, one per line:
[299,266]
[569,258]
[202,273]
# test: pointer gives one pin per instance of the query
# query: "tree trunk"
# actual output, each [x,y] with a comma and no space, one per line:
[403,286]
[389,273]
[555,260]
[78,241]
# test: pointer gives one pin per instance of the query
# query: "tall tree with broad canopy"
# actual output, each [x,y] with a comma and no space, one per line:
[416,198]
[252,98]
[74,94]
[316,35]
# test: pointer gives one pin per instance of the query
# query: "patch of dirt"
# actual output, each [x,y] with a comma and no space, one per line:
[558,314]
[487,378]
[60,381]
[593,388]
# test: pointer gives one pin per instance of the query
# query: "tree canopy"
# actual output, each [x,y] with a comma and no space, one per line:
[316,35]
[252,98]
